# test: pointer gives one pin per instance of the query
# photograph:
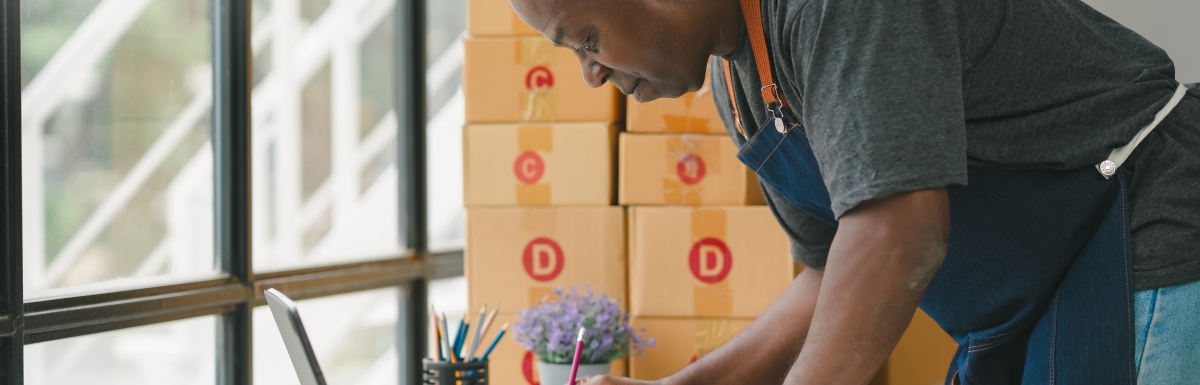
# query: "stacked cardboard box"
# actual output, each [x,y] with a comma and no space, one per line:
[539,162]
[705,257]
[517,256]
[677,153]
[698,276]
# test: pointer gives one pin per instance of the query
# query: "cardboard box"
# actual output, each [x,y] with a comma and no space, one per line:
[510,364]
[518,255]
[532,164]
[674,169]
[921,358]
[694,112]
[706,262]
[679,342]
[528,79]
[495,18]
[923,355]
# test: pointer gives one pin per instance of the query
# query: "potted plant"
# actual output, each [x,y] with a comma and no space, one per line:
[550,329]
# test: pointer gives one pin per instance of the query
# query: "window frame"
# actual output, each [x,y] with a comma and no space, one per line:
[237,289]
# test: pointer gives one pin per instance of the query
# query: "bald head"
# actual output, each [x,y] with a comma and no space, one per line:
[647,48]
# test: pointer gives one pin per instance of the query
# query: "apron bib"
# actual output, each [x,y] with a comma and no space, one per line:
[1037,283]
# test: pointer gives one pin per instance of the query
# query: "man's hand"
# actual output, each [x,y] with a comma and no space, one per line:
[613,380]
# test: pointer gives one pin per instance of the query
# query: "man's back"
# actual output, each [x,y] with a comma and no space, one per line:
[1051,83]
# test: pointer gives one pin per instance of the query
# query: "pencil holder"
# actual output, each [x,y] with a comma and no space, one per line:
[458,373]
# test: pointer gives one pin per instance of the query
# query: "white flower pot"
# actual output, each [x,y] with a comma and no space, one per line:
[559,374]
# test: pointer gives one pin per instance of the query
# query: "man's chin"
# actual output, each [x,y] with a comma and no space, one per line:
[646,95]
[643,98]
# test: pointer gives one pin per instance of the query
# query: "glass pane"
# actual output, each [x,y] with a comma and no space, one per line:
[179,352]
[353,335]
[117,165]
[446,21]
[326,185]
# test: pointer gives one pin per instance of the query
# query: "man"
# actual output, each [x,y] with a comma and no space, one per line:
[974,157]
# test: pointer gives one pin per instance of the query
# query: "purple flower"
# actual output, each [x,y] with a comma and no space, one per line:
[550,328]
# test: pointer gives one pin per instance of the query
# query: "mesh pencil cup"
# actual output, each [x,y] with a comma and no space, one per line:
[457,373]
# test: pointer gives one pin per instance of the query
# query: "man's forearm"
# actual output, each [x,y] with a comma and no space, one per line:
[763,352]
[879,265]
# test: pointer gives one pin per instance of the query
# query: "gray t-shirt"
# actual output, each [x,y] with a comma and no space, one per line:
[902,95]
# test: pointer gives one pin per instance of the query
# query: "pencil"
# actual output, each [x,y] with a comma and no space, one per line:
[437,335]
[478,333]
[446,339]
[487,324]
[494,342]
[456,345]
[578,353]
[462,341]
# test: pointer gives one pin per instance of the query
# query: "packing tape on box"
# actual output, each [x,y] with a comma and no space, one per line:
[533,194]
[539,294]
[688,122]
[539,99]
[538,139]
[541,222]
[711,334]
[689,162]
[712,299]
[535,138]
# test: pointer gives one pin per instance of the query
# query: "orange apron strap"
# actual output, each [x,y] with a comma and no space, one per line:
[752,12]
[737,117]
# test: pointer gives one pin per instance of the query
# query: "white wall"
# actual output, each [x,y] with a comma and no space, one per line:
[1172,24]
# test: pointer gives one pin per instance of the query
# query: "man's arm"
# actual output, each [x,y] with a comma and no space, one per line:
[884,254]
[761,354]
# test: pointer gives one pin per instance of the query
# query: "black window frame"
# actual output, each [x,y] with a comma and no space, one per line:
[234,295]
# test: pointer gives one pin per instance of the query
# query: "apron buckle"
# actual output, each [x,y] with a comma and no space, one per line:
[1107,168]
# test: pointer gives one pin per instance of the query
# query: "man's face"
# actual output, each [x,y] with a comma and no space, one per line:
[647,48]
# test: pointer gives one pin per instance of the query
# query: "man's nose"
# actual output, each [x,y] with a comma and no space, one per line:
[594,73]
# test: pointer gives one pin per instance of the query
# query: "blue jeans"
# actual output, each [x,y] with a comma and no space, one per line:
[1167,334]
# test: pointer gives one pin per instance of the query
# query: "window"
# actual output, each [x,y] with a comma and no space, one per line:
[176,352]
[164,161]
[117,174]
[324,142]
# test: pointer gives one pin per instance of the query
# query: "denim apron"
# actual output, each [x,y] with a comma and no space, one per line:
[1036,286]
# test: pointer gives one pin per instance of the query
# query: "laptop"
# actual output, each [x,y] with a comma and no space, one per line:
[287,318]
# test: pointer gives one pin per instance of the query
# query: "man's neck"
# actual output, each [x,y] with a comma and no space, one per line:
[729,22]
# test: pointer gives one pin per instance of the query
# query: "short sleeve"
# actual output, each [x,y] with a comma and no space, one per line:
[882,85]
[810,238]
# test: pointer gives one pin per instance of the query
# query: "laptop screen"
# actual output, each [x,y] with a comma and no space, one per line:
[287,318]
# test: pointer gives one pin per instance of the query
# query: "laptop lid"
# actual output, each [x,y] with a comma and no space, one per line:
[287,318]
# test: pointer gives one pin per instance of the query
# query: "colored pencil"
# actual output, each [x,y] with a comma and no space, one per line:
[487,324]
[462,341]
[446,339]
[578,353]
[454,342]
[437,335]
[488,352]
[478,333]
